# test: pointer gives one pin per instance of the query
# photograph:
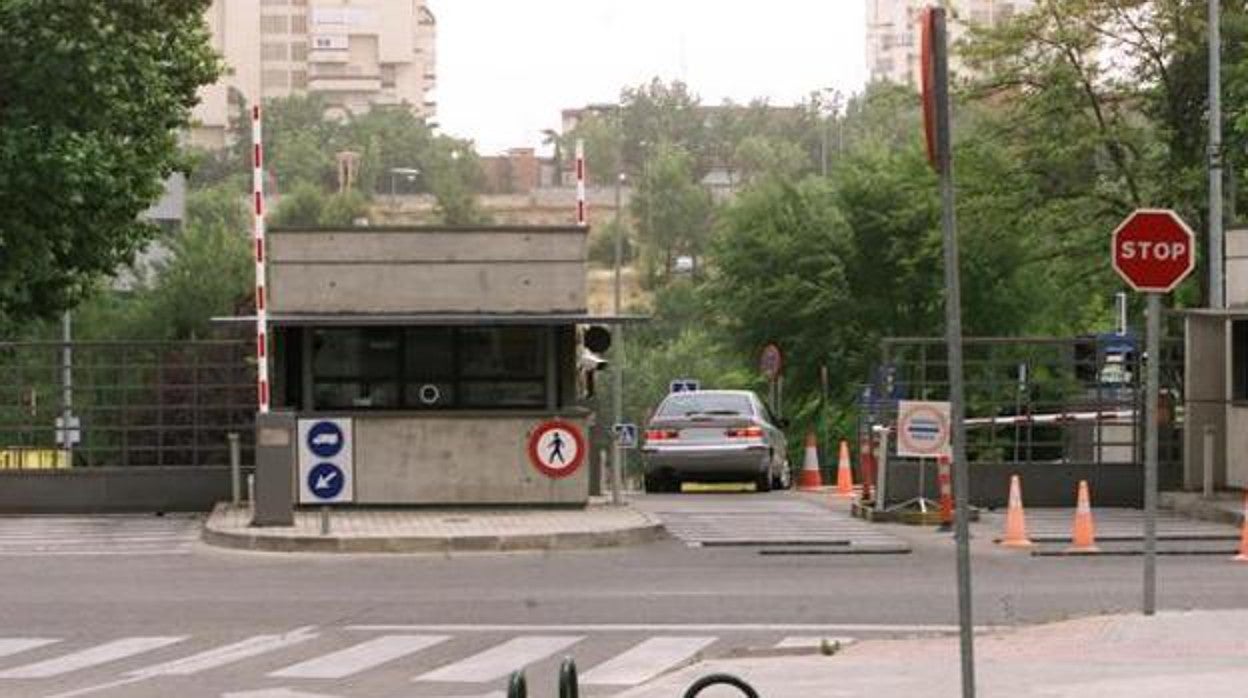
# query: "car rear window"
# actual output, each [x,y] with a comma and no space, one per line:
[686,404]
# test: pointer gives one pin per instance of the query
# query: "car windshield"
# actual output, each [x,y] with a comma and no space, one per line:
[690,404]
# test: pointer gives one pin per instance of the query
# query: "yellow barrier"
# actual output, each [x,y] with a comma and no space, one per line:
[33,459]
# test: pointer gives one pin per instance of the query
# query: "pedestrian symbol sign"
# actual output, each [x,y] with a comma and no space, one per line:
[625,435]
[326,461]
[326,481]
[557,448]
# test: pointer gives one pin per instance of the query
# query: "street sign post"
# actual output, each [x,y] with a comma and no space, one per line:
[625,435]
[771,364]
[326,461]
[1153,250]
[937,119]
[684,385]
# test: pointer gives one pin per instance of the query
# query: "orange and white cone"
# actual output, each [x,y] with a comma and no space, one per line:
[810,479]
[1015,518]
[1243,536]
[1083,537]
[844,473]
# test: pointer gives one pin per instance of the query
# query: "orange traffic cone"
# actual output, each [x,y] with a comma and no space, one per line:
[1243,537]
[844,474]
[810,478]
[1083,537]
[1015,519]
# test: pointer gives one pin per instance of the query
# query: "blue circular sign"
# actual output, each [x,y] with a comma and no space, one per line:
[325,439]
[326,480]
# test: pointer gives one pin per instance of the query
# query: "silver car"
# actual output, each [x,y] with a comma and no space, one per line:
[714,436]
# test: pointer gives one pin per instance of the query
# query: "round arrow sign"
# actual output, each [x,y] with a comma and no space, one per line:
[326,480]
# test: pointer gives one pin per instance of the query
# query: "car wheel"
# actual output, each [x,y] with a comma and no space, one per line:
[673,483]
[785,481]
[762,483]
[653,483]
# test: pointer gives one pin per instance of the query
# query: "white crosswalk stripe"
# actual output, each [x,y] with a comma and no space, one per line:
[14,645]
[97,535]
[500,660]
[221,656]
[1049,525]
[357,658]
[646,660]
[812,642]
[93,656]
[477,659]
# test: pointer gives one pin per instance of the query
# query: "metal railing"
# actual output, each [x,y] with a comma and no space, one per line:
[1036,400]
[125,403]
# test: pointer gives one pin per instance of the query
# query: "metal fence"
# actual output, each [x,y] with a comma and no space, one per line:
[1038,400]
[124,403]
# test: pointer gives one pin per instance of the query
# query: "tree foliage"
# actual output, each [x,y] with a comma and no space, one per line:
[92,97]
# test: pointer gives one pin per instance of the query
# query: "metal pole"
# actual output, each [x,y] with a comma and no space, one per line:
[823,149]
[953,337]
[617,394]
[236,480]
[67,385]
[1150,453]
[1217,297]
[1207,484]
[325,520]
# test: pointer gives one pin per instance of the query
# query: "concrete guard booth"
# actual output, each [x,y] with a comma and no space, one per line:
[1216,380]
[441,357]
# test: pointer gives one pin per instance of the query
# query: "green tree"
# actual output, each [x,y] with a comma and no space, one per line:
[302,206]
[92,98]
[672,211]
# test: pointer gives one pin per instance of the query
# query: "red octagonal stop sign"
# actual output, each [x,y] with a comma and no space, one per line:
[1154,250]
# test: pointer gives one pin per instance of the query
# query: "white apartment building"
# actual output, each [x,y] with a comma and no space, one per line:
[356,53]
[893,31]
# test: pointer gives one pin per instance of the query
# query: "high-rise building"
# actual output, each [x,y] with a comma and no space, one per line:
[893,31]
[356,53]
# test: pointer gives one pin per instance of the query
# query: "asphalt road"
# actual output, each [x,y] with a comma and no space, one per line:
[132,615]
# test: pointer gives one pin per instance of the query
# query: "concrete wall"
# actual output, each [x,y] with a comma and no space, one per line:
[1044,484]
[101,490]
[477,458]
[1236,465]
[1205,394]
[425,270]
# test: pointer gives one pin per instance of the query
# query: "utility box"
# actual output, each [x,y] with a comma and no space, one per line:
[274,494]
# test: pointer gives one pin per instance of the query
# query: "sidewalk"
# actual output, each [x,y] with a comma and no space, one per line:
[1202,653]
[436,530]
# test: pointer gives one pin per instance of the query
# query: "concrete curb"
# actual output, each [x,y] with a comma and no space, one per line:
[1194,505]
[255,539]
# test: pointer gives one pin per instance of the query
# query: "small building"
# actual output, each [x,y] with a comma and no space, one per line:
[442,353]
[1216,381]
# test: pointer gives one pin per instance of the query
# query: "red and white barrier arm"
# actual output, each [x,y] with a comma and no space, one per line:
[258,230]
[582,214]
[1058,418]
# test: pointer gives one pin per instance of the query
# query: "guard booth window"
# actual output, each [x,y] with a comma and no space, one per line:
[1239,360]
[430,368]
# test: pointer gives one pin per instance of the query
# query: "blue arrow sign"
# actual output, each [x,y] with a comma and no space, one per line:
[325,439]
[326,480]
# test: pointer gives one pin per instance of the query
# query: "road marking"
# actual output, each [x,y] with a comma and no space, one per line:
[500,660]
[93,656]
[357,658]
[228,654]
[803,628]
[13,645]
[646,660]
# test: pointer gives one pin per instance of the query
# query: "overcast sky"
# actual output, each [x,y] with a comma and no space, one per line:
[507,67]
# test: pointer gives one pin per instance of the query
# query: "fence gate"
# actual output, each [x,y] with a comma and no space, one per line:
[1057,408]
[122,404]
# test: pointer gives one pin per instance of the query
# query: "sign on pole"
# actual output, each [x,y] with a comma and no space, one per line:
[771,362]
[684,385]
[1153,251]
[326,461]
[924,429]
[625,435]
